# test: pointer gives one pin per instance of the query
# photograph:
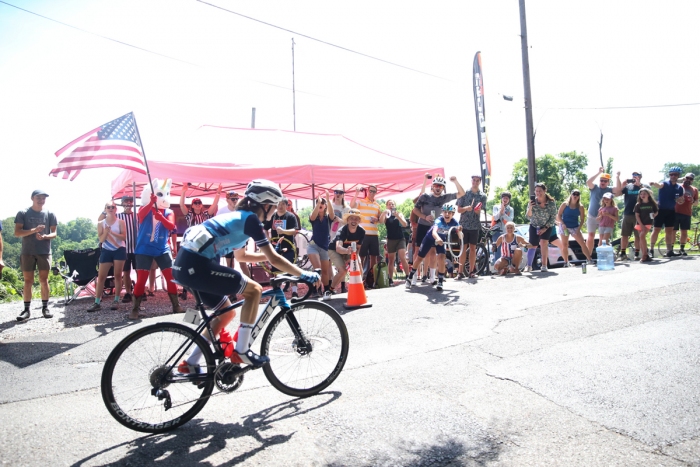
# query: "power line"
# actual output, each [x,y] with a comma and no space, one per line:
[99,35]
[621,107]
[324,42]
[145,50]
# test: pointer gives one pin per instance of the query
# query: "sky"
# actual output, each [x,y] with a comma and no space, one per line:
[57,83]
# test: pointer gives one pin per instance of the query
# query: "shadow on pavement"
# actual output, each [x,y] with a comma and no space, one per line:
[198,440]
[449,452]
[24,354]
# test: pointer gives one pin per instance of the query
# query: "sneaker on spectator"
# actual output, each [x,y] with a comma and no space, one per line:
[327,295]
[683,253]
[623,257]
[439,286]
[94,307]
[424,279]
[461,276]
[24,316]
[544,269]
[47,314]
[126,298]
[670,254]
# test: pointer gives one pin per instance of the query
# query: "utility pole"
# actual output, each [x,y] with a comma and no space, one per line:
[294,94]
[252,119]
[531,167]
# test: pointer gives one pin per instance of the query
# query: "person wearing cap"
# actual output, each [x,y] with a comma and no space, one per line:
[36,227]
[469,208]
[371,211]
[339,250]
[129,218]
[684,210]
[607,217]
[630,191]
[670,194]
[340,208]
[426,205]
[597,192]
[196,214]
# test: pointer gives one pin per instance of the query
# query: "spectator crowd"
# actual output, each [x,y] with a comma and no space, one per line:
[147,240]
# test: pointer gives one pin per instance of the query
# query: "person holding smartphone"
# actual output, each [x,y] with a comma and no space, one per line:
[630,191]
[395,241]
[542,212]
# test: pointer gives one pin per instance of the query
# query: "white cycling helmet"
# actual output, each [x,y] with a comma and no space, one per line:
[264,192]
[439,181]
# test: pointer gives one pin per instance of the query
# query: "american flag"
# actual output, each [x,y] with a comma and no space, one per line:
[114,144]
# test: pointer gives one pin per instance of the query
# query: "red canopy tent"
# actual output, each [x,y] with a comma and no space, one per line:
[302,164]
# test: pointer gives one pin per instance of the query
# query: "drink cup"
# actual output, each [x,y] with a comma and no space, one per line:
[583,268]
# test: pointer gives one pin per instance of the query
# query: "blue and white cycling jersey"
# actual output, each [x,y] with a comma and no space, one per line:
[222,234]
[442,227]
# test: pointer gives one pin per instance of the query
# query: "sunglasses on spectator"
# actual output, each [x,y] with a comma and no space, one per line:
[110,207]
[689,178]
[197,202]
[674,175]
[232,197]
[372,191]
[575,194]
[635,174]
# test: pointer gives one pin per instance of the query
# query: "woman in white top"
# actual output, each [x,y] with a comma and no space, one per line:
[112,234]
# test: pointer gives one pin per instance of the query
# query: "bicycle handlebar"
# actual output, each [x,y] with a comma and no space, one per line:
[276,283]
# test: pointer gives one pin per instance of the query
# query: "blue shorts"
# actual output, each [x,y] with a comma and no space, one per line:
[428,243]
[110,256]
[313,249]
[213,281]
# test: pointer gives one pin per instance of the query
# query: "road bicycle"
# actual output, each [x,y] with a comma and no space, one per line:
[694,238]
[143,389]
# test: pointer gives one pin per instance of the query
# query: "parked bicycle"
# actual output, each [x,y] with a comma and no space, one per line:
[307,342]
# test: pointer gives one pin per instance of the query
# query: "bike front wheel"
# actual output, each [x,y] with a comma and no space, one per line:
[140,389]
[308,347]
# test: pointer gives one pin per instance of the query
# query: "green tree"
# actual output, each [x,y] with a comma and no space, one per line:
[561,174]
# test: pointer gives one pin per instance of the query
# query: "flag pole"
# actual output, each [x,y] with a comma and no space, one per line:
[143,153]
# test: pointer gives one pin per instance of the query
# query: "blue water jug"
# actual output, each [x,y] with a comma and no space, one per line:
[606,257]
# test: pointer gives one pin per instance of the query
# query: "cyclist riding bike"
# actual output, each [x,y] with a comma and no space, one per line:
[198,266]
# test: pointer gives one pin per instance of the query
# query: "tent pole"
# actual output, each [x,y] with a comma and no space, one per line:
[313,194]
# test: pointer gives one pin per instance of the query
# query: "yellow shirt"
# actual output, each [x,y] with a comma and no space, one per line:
[368,209]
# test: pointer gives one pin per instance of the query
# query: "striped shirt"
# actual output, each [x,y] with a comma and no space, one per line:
[196,219]
[130,233]
[369,209]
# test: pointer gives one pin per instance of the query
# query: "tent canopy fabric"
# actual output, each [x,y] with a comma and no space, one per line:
[301,163]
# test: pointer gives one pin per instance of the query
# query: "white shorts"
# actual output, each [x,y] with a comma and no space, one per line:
[592,224]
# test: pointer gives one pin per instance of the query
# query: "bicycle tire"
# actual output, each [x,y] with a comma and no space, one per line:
[127,374]
[299,374]
[482,259]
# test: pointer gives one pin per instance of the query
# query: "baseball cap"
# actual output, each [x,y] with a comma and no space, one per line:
[232,194]
[127,198]
[690,176]
[605,176]
[339,192]
[196,200]
[608,195]
[39,192]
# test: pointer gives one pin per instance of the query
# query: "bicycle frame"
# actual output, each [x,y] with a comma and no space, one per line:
[276,298]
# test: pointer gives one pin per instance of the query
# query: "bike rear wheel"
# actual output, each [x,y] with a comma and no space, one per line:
[139,364]
[482,259]
[303,367]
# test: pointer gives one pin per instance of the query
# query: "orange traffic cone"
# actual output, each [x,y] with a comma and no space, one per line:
[356,290]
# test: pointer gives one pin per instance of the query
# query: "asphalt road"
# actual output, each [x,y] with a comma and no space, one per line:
[555,368]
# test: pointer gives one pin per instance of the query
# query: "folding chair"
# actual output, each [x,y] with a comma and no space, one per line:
[81,274]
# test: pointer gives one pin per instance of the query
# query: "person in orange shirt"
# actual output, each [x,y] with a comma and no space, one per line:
[370,212]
